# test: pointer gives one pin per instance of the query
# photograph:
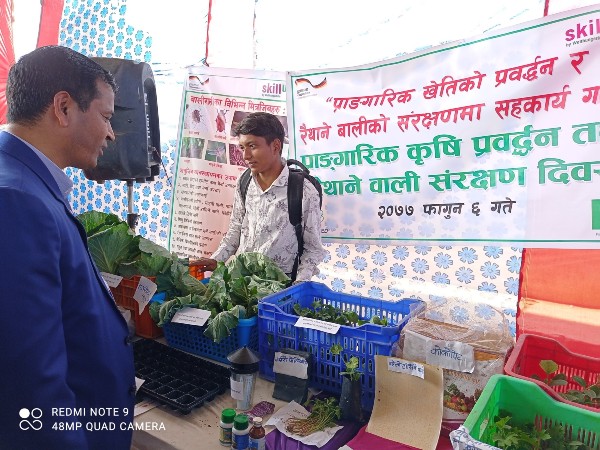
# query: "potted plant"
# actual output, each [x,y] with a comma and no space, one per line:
[350,398]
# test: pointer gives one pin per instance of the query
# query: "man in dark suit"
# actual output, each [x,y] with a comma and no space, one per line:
[67,379]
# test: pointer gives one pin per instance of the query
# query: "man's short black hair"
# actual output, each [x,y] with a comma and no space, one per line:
[35,79]
[262,124]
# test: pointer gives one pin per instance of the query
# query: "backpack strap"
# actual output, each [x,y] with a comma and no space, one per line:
[244,183]
[314,181]
[295,194]
[295,162]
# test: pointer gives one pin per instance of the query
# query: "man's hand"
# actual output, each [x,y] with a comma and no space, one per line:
[205,264]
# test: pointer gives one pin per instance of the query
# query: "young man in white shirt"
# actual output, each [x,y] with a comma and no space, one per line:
[261,223]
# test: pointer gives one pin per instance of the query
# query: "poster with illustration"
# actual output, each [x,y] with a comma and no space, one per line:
[209,159]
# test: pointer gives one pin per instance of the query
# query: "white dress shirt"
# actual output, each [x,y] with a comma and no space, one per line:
[262,225]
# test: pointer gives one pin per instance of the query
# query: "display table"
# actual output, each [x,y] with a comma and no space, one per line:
[163,428]
[198,429]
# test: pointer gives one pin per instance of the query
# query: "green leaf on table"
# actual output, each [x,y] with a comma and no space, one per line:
[336,349]
[113,246]
[221,325]
[153,309]
[580,381]
[170,307]
[154,249]
[184,282]
[548,366]
[146,265]
[95,221]
[256,264]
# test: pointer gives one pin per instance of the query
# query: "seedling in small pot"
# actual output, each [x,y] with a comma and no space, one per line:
[351,365]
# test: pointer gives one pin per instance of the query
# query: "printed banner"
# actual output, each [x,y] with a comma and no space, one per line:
[209,160]
[489,140]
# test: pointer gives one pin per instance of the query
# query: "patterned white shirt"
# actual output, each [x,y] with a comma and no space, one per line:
[262,225]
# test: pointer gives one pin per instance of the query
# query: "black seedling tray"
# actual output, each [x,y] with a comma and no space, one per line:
[176,378]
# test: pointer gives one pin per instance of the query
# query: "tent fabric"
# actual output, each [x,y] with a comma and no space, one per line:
[558,297]
[7,52]
[51,14]
[564,276]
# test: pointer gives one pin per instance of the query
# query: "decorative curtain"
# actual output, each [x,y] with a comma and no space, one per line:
[7,53]
[51,13]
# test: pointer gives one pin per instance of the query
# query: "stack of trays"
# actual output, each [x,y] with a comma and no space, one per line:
[176,378]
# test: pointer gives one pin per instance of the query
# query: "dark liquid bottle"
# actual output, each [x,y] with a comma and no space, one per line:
[257,435]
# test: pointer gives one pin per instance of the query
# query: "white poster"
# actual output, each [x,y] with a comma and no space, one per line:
[494,139]
[209,160]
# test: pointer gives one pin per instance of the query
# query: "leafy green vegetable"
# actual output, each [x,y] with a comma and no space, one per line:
[168,308]
[95,221]
[176,280]
[512,436]
[233,292]
[146,265]
[330,313]
[153,309]
[183,281]
[116,249]
[217,290]
[235,288]
[113,246]
[256,265]
[243,294]
[220,326]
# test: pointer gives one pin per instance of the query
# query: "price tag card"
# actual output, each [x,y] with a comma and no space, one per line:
[144,292]
[293,365]
[237,389]
[407,367]
[111,279]
[453,355]
[138,383]
[321,325]
[191,316]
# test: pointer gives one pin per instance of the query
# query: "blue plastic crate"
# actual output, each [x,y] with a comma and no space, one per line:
[277,331]
[191,339]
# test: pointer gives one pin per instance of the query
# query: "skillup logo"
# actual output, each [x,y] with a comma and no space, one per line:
[583,32]
[273,89]
[26,424]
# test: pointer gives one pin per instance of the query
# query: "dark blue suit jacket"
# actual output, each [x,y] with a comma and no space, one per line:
[63,341]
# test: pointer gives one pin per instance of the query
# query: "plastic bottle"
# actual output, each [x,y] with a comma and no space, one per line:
[257,435]
[227,416]
[240,433]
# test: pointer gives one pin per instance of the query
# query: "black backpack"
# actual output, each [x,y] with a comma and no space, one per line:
[294,194]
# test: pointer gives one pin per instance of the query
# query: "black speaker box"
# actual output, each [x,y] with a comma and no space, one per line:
[135,153]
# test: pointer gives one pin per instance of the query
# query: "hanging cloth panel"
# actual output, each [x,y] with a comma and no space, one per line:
[559,297]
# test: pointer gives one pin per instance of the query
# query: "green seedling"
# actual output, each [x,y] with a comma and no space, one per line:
[351,365]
